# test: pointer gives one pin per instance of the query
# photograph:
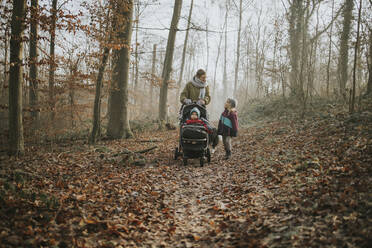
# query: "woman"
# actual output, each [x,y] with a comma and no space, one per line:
[197,90]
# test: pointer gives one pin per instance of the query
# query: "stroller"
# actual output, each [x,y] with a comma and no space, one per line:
[194,139]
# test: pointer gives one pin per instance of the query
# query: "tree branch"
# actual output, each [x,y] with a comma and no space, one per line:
[326,28]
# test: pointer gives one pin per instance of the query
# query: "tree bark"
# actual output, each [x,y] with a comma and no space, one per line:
[294,38]
[185,47]
[72,85]
[153,75]
[52,65]
[215,67]
[330,51]
[369,85]
[168,61]
[258,57]
[238,49]
[207,42]
[247,74]
[276,40]
[344,47]
[16,142]
[6,49]
[224,78]
[355,60]
[136,59]
[118,125]
[96,131]
[34,85]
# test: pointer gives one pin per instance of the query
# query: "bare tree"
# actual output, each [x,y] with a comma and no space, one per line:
[330,51]
[344,46]
[216,64]
[185,47]
[136,57]
[16,142]
[369,85]
[356,48]
[207,42]
[153,74]
[34,93]
[52,65]
[118,125]
[6,50]
[224,78]
[96,131]
[238,48]
[168,61]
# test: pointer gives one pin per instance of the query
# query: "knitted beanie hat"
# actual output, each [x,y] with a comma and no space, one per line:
[233,102]
[196,110]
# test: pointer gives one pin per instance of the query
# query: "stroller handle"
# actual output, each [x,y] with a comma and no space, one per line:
[193,103]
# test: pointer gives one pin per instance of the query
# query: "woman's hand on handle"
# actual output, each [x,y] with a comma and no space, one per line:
[187,101]
[201,102]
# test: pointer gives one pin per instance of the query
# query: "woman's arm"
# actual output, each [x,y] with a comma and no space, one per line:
[207,97]
[185,93]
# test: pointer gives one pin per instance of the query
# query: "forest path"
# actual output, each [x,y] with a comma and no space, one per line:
[284,186]
[210,204]
[288,184]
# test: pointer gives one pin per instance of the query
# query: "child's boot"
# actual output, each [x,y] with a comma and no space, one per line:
[228,154]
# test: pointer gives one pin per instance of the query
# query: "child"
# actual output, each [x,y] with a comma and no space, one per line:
[195,119]
[228,125]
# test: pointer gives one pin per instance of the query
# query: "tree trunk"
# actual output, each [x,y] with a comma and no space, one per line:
[257,57]
[153,76]
[16,142]
[118,125]
[72,83]
[330,51]
[294,38]
[6,48]
[369,85]
[52,65]
[184,48]
[247,74]
[274,77]
[344,46]
[207,42]
[34,85]
[96,131]
[215,68]
[355,60]
[224,78]
[136,54]
[168,61]
[238,49]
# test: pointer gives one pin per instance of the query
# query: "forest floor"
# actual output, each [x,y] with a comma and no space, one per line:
[303,183]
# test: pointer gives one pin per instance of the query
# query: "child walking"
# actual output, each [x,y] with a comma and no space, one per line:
[228,125]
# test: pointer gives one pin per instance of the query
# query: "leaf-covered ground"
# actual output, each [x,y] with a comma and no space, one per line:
[289,184]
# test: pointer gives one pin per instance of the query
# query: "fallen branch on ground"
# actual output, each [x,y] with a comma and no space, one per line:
[148,141]
[126,151]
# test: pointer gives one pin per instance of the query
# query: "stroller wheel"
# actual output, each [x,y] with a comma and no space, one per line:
[176,154]
[201,161]
[208,155]
[185,161]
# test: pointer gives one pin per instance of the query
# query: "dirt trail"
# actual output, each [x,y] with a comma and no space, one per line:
[205,201]
[286,185]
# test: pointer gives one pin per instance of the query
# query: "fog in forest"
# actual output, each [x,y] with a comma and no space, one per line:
[185,123]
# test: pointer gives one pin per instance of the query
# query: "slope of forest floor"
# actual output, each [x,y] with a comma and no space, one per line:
[303,183]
